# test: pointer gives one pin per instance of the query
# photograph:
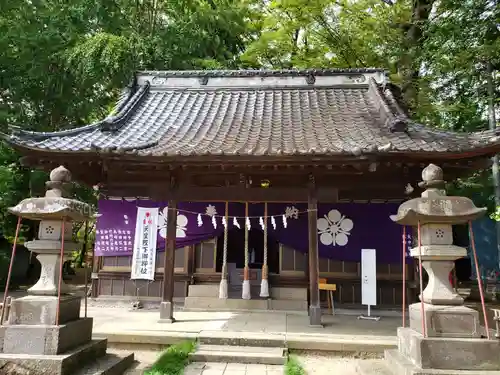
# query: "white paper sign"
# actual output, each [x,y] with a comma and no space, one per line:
[368,277]
[146,233]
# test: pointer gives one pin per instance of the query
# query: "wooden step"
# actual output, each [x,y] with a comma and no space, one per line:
[239,354]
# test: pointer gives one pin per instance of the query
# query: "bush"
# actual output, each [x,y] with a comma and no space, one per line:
[173,360]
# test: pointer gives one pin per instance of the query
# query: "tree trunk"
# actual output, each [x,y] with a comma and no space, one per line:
[409,66]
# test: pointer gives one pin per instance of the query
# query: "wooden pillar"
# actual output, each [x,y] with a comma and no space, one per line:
[314,306]
[246,292]
[167,304]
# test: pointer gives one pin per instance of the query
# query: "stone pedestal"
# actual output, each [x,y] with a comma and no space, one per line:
[448,354]
[445,321]
[47,340]
[36,310]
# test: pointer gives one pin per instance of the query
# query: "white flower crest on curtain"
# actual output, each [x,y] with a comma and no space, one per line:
[334,228]
[182,222]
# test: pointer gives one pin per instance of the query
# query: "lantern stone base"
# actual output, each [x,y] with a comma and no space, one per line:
[32,343]
[449,353]
[35,310]
[445,321]
[417,355]
[90,358]
[47,339]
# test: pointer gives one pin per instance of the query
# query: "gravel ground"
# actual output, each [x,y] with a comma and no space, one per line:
[143,358]
[321,363]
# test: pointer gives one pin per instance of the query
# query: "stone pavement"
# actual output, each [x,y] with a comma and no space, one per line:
[112,320]
[213,368]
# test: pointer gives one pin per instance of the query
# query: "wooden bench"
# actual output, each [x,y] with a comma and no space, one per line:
[330,288]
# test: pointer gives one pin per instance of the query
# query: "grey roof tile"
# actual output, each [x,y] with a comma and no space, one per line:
[253,119]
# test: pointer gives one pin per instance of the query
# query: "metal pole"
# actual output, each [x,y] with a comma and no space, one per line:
[494,169]
[85,240]
[404,276]
[479,280]
[9,274]
[61,261]
[422,308]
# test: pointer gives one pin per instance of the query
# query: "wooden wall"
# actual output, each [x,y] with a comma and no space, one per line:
[347,277]
[197,264]
[114,277]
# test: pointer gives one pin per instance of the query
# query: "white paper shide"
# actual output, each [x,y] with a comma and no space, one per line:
[146,233]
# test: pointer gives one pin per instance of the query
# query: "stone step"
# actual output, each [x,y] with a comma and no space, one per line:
[248,339]
[62,364]
[239,354]
[109,364]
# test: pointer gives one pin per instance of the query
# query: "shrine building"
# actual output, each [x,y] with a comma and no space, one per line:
[278,179]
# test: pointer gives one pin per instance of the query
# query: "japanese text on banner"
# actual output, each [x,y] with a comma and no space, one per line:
[144,256]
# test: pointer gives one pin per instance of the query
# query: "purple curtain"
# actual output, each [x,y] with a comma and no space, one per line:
[343,229]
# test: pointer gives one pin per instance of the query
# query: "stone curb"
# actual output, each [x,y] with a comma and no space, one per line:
[329,343]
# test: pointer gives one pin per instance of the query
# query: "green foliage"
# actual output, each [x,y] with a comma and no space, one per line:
[62,64]
[496,215]
[293,366]
[173,360]
[4,264]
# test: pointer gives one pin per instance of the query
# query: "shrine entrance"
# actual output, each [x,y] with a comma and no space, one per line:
[236,257]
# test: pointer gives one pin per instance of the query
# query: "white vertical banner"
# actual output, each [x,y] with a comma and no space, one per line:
[146,233]
[368,277]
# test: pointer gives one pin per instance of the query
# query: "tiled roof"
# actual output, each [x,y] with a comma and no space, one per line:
[256,113]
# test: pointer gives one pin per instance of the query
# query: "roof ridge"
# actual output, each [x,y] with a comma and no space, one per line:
[259,72]
[115,122]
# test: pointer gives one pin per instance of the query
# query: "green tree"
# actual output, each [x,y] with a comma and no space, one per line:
[62,64]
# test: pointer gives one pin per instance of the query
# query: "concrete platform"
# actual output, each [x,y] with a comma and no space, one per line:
[265,329]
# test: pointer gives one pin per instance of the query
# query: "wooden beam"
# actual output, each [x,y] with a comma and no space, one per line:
[223,194]
[314,304]
[167,304]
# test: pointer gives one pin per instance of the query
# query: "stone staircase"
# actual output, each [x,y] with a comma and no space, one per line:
[108,364]
[222,348]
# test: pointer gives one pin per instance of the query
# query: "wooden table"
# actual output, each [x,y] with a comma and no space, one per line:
[330,288]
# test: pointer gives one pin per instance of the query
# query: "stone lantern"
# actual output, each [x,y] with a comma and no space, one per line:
[38,337]
[454,338]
